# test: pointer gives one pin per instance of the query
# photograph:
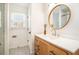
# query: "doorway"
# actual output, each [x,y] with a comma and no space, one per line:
[18,33]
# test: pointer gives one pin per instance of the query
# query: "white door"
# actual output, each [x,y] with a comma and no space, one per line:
[17,25]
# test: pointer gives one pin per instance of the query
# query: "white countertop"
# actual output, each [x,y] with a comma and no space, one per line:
[68,44]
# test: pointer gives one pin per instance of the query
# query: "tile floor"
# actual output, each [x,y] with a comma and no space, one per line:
[19,51]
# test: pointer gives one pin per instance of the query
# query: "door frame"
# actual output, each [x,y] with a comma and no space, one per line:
[6,48]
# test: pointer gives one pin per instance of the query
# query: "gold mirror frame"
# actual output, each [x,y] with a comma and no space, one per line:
[51,13]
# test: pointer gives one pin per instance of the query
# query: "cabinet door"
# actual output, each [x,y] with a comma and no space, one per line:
[56,51]
[43,48]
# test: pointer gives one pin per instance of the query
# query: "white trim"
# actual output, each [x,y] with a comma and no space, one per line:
[6,29]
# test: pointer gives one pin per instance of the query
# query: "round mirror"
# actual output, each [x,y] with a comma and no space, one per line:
[59,16]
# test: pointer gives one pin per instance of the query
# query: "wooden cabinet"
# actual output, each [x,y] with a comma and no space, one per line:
[43,47]
[76,53]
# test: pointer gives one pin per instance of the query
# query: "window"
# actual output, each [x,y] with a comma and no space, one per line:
[18,20]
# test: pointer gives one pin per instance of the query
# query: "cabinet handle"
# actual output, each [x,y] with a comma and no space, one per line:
[52,53]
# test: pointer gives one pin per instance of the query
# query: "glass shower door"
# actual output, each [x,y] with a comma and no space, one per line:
[1,28]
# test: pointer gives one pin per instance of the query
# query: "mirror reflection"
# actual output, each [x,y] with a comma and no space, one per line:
[59,16]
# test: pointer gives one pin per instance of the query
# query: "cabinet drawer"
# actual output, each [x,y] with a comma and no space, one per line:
[56,51]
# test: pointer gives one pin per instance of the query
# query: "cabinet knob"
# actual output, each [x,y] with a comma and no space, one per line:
[51,53]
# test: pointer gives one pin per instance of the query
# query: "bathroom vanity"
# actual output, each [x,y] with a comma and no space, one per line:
[51,45]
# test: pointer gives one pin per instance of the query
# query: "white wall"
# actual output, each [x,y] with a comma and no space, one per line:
[37,18]
[37,21]
[71,30]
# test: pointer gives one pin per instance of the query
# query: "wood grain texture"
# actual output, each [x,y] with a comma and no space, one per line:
[77,52]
